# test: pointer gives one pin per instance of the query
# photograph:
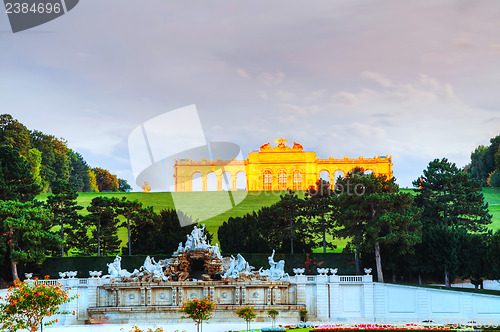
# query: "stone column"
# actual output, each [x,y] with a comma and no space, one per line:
[233,183]
[219,182]
[321,297]
[174,296]
[204,182]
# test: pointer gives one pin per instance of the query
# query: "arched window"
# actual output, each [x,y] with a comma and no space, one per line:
[268,180]
[282,180]
[297,180]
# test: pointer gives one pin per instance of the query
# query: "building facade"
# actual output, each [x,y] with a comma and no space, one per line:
[273,168]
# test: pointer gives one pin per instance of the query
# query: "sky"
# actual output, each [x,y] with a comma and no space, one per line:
[416,80]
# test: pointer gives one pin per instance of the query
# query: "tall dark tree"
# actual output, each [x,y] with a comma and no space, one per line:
[129,209]
[371,210]
[26,229]
[16,180]
[14,134]
[79,172]
[450,200]
[278,227]
[103,222]
[319,213]
[123,185]
[62,203]
[162,230]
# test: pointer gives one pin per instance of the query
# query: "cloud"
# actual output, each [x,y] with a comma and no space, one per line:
[271,78]
[243,73]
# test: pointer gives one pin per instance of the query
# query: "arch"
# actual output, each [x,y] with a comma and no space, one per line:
[297,180]
[241,181]
[267,180]
[282,180]
[197,182]
[336,175]
[227,182]
[211,181]
[324,175]
[369,171]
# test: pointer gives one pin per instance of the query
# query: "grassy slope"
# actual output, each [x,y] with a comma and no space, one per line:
[252,202]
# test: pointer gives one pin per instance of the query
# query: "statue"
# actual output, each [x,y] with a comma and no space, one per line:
[238,266]
[115,270]
[276,271]
[153,268]
[180,249]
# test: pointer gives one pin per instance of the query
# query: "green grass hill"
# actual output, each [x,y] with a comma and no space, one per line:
[252,202]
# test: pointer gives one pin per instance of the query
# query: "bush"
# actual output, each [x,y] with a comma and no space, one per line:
[494,179]
[28,303]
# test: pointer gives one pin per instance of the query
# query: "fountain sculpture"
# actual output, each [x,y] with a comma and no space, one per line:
[156,290]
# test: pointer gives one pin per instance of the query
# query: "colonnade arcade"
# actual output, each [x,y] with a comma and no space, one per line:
[271,168]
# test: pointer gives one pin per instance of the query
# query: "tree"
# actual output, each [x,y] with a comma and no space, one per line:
[55,163]
[376,213]
[247,313]
[28,303]
[34,160]
[16,180]
[278,227]
[105,180]
[64,207]
[273,313]
[162,230]
[92,182]
[103,222]
[123,185]
[484,161]
[26,229]
[494,179]
[79,177]
[128,209]
[198,310]
[14,134]
[450,200]
[319,212]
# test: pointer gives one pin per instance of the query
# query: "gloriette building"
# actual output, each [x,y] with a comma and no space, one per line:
[273,168]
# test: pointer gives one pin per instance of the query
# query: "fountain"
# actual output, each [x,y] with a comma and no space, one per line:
[156,291]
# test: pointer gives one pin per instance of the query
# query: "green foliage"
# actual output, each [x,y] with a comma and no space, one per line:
[105,180]
[26,232]
[16,180]
[162,230]
[64,208]
[14,134]
[374,213]
[123,185]
[494,179]
[278,227]
[55,162]
[103,223]
[137,329]
[79,177]
[34,159]
[28,303]
[484,161]
[451,198]
[453,208]
[273,313]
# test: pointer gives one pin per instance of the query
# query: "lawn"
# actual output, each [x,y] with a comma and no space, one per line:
[219,207]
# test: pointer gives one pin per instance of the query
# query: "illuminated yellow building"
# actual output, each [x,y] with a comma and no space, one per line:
[273,168]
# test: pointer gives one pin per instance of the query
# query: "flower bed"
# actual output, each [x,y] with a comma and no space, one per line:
[380,327]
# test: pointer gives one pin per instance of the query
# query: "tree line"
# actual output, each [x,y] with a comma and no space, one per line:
[50,159]
[485,163]
[439,231]
[33,230]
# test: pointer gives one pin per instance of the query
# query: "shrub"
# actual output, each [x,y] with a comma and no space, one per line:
[198,310]
[28,303]
[247,313]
